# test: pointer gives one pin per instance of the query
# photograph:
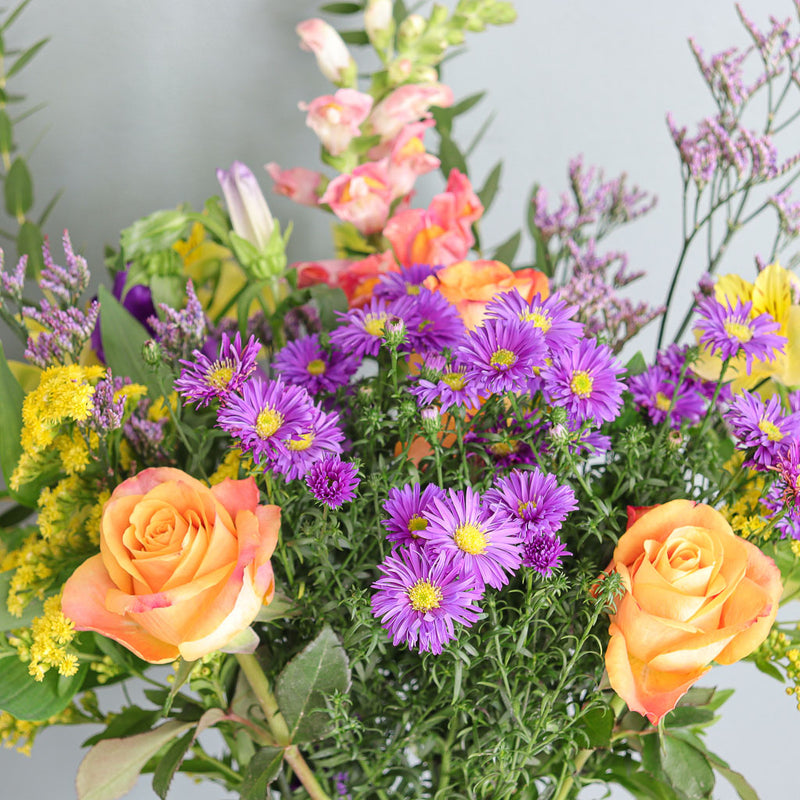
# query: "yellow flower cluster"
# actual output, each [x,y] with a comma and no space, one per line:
[230,465]
[778,647]
[20,733]
[745,514]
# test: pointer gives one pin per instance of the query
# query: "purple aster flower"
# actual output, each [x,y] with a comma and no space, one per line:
[419,600]
[783,497]
[204,380]
[794,401]
[656,391]
[432,322]
[553,317]
[319,439]
[408,509]
[360,331]
[333,481]
[544,553]
[585,381]
[480,543]
[446,385]
[305,363]
[729,330]
[408,282]
[500,356]
[533,500]
[264,415]
[761,428]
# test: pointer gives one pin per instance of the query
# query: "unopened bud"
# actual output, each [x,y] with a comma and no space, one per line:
[411,28]
[379,23]
[431,421]
[152,353]
[394,333]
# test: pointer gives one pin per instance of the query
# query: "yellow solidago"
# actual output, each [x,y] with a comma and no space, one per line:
[20,733]
[159,410]
[75,451]
[771,293]
[229,468]
[51,635]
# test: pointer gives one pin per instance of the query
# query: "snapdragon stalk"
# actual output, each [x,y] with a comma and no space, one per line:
[277,725]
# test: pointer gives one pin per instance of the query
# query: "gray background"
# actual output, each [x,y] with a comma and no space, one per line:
[145,100]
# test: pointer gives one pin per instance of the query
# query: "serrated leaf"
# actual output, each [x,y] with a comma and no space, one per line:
[315,673]
[110,769]
[168,764]
[487,192]
[25,57]
[506,251]
[354,37]
[29,699]
[128,722]
[451,157]
[261,770]
[18,189]
[735,779]
[687,768]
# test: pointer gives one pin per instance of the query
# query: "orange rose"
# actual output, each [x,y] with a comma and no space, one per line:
[471,285]
[182,568]
[696,593]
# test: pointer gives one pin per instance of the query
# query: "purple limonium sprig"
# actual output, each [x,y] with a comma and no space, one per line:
[66,284]
[203,379]
[552,316]
[543,553]
[659,392]
[533,500]
[479,542]
[408,507]
[107,413]
[501,356]
[360,330]
[263,415]
[333,481]
[420,600]
[408,282]
[586,382]
[433,323]
[730,330]
[321,438]
[305,363]
[761,428]
[182,330]
[11,284]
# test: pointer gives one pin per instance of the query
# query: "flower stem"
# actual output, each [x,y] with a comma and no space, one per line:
[567,784]
[277,724]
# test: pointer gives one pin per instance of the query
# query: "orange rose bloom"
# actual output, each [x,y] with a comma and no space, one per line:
[183,569]
[696,593]
[471,285]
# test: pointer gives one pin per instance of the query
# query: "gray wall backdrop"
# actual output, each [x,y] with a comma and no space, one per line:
[145,100]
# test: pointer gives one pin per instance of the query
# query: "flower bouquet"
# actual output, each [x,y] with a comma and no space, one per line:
[420,520]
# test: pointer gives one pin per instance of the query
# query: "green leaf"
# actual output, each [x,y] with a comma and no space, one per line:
[18,189]
[123,338]
[11,397]
[8,622]
[685,716]
[462,106]
[319,670]
[261,770]
[636,366]
[451,157]
[128,722]
[597,724]
[110,768]
[735,779]
[6,133]
[506,251]
[329,300]
[687,768]
[168,764]
[25,57]
[14,515]
[341,8]
[29,243]
[489,189]
[184,671]
[354,37]
[29,699]
[13,15]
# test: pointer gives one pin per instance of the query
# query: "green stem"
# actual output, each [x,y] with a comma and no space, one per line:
[231,776]
[567,784]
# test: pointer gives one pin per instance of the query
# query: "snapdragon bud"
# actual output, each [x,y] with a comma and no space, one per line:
[379,23]
[411,28]
[333,57]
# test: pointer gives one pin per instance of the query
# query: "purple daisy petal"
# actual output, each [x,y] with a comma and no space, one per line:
[656,391]
[433,324]
[305,363]
[321,438]
[544,553]
[360,331]
[408,509]
[333,481]
[405,283]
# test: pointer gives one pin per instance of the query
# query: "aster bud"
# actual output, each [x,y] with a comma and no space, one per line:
[394,333]
[431,421]
[152,353]
[559,435]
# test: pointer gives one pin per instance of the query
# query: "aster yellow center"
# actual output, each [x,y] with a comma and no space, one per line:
[412,288]
[539,320]
[525,506]
[267,422]
[502,358]
[455,380]
[772,431]
[425,596]
[662,402]
[303,443]
[581,383]
[374,325]
[220,374]
[417,523]
[315,367]
[738,331]
[470,538]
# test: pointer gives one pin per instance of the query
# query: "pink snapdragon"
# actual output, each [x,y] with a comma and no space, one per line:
[362,197]
[440,234]
[408,158]
[333,57]
[298,183]
[406,104]
[336,118]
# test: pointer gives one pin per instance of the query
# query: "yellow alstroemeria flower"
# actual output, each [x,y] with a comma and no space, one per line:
[772,293]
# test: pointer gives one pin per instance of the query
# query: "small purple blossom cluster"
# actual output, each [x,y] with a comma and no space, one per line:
[181,330]
[448,546]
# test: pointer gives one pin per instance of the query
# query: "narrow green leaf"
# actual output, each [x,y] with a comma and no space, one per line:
[128,722]
[687,768]
[311,676]
[110,768]
[29,699]
[636,366]
[478,137]
[735,779]
[29,243]
[451,157]
[489,189]
[28,112]
[341,8]
[26,56]
[11,18]
[49,207]
[168,764]
[506,251]
[11,397]
[261,770]
[6,133]
[462,106]
[354,37]
[184,671]
[18,189]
